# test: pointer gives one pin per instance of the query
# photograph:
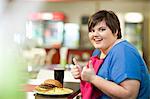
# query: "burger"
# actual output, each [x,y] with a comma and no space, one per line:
[52,87]
[48,84]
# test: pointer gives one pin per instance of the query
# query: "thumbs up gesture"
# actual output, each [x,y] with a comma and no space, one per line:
[88,73]
[76,70]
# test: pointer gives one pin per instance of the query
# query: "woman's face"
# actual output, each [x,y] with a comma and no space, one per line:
[102,37]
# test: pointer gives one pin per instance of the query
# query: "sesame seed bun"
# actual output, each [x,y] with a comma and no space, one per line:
[56,83]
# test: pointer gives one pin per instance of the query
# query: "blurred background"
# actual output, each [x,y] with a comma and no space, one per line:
[39,33]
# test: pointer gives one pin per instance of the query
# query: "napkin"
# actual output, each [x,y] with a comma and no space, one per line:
[88,91]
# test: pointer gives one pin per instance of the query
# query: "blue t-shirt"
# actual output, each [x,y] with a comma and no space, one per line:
[124,62]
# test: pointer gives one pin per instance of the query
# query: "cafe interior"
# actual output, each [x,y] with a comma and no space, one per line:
[39,36]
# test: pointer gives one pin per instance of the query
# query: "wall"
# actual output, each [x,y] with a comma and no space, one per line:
[123,6]
[148,35]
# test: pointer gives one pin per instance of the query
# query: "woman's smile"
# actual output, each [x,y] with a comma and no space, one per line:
[97,40]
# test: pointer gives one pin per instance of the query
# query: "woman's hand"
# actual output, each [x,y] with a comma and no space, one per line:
[88,73]
[76,70]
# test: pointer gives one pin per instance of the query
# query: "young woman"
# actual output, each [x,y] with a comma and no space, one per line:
[122,74]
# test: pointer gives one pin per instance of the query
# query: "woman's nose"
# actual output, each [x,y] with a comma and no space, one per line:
[95,33]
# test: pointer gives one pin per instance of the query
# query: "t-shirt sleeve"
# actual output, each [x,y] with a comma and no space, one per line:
[124,65]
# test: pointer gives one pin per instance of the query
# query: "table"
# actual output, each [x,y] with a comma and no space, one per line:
[72,85]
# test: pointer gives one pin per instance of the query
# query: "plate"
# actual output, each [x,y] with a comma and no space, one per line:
[56,91]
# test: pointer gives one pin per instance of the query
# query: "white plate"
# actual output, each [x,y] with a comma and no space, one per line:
[56,91]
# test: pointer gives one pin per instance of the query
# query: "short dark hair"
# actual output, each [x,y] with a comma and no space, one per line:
[110,18]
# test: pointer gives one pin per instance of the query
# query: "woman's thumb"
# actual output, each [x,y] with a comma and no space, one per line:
[75,61]
[90,64]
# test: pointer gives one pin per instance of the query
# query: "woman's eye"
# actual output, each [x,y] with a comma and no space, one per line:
[93,30]
[102,29]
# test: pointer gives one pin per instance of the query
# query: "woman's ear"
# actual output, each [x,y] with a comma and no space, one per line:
[116,34]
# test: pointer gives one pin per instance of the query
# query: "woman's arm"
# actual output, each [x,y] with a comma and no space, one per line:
[128,89]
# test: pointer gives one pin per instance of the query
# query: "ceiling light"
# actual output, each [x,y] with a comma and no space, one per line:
[134,17]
